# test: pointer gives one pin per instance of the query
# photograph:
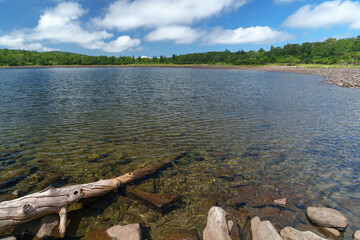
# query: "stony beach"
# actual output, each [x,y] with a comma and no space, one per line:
[343,77]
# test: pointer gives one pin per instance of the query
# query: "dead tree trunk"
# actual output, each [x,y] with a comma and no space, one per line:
[56,200]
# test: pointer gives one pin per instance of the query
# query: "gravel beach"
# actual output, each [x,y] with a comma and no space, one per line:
[343,77]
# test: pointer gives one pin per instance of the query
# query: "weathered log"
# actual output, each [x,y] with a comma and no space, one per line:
[56,200]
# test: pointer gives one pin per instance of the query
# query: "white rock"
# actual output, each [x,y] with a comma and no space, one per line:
[327,217]
[281,202]
[356,235]
[262,230]
[216,226]
[127,232]
[290,233]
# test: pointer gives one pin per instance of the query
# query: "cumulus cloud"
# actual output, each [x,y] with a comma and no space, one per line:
[179,34]
[326,14]
[253,35]
[17,40]
[125,14]
[61,25]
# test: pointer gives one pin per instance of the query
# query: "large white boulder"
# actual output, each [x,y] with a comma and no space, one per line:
[216,226]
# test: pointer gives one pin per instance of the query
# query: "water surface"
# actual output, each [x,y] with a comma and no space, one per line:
[284,134]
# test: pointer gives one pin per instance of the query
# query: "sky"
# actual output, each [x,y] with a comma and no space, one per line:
[166,27]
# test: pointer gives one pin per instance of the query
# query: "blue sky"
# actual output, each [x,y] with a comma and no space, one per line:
[166,27]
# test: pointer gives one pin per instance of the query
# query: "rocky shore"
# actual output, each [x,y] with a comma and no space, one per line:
[343,77]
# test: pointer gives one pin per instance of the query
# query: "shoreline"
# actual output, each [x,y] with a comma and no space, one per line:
[343,77]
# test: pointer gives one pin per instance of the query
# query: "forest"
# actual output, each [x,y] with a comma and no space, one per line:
[331,51]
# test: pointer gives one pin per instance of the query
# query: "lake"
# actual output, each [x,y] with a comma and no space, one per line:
[247,133]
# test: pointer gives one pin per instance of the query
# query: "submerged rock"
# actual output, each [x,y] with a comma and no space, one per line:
[280,202]
[331,232]
[13,195]
[216,225]
[290,233]
[179,234]
[41,228]
[127,232]
[99,234]
[233,230]
[261,230]
[327,217]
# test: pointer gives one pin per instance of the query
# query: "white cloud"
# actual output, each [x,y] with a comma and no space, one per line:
[17,40]
[61,25]
[126,14]
[179,34]
[253,35]
[326,14]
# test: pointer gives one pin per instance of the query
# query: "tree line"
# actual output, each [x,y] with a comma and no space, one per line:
[331,51]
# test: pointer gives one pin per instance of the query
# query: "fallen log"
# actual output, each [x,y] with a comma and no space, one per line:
[57,200]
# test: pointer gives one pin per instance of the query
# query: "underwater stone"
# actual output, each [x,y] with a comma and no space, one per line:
[331,232]
[127,232]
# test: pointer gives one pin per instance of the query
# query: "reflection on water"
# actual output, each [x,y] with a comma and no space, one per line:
[249,134]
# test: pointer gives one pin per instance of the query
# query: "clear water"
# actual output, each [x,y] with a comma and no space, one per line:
[282,133]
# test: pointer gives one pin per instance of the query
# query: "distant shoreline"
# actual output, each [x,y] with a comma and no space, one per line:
[343,77]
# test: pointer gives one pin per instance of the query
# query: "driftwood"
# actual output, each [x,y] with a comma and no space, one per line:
[57,200]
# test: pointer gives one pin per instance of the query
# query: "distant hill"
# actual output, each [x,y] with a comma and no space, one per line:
[331,51]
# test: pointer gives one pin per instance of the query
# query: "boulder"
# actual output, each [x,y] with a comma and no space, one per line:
[290,233]
[41,228]
[261,230]
[327,217]
[216,226]
[127,232]
[356,235]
